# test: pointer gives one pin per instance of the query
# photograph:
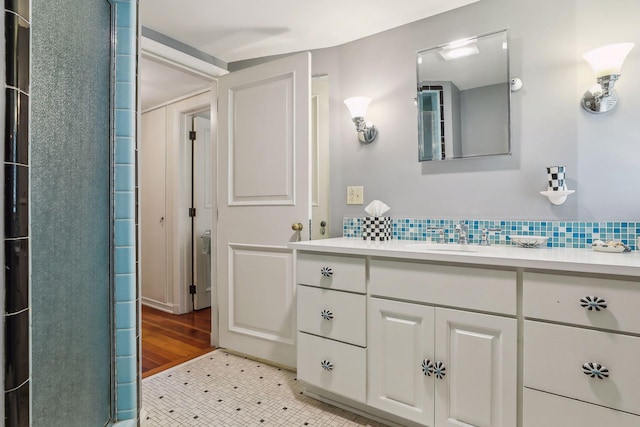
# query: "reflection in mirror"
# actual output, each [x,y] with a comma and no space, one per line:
[463,98]
[319,157]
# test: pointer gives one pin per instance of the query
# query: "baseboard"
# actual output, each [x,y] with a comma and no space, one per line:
[167,308]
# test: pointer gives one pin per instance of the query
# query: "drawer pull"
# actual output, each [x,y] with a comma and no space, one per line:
[327,365]
[326,314]
[427,367]
[326,271]
[595,370]
[593,303]
[437,369]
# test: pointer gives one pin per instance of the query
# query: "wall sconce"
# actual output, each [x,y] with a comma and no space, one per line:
[606,62]
[358,105]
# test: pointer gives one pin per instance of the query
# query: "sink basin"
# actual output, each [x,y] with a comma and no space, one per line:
[446,247]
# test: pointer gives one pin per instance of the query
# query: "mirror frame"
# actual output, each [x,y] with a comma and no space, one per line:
[508,99]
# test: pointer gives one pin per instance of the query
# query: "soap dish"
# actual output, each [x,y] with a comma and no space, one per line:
[528,241]
[610,246]
[607,248]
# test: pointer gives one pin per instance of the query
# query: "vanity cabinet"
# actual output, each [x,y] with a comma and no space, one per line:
[502,338]
[581,342]
[438,366]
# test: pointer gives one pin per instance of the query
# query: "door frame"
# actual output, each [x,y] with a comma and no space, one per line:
[173,57]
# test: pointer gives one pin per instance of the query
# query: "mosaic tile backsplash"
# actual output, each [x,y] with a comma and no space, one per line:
[562,234]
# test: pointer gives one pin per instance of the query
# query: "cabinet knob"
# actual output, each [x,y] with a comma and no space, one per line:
[326,271]
[437,369]
[427,367]
[326,314]
[595,370]
[296,226]
[593,303]
[327,365]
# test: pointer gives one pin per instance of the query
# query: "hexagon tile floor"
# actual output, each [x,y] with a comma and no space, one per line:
[221,389]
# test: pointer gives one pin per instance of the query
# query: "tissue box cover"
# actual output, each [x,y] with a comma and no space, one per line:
[376,228]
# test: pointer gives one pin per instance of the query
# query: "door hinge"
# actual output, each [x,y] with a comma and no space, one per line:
[192,212]
[192,289]
[192,135]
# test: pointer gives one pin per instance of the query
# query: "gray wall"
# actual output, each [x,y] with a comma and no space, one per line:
[549,126]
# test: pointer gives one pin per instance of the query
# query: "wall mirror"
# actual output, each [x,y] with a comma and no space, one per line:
[463,98]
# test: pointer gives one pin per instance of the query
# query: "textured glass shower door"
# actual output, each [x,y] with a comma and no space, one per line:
[71,213]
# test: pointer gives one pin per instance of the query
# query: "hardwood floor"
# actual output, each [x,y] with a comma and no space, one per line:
[169,339]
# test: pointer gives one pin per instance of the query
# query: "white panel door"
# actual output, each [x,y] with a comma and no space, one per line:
[264,188]
[479,353]
[152,155]
[403,339]
[202,202]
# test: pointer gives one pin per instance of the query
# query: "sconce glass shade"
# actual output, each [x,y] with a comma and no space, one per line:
[608,60]
[358,105]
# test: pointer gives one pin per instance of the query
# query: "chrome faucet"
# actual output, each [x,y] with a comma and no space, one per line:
[440,233]
[463,231]
[484,239]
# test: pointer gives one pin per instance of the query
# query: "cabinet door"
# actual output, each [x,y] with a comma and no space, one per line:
[401,338]
[479,385]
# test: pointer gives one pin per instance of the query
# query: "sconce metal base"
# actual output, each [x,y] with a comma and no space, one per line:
[602,97]
[367,132]
[597,104]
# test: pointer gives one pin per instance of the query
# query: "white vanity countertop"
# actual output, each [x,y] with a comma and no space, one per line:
[571,260]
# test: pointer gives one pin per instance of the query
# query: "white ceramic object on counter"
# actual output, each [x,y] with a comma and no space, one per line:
[607,248]
[611,246]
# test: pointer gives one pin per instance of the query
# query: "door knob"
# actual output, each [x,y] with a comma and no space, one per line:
[296,226]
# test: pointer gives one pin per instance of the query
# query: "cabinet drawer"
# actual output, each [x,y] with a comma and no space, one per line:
[333,366]
[474,288]
[558,298]
[547,410]
[554,355]
[333,314]
[331,271]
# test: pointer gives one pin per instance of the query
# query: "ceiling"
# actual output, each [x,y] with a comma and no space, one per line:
[243,29]
[161,82]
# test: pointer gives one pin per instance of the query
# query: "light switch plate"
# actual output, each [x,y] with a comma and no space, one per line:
[355,195]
